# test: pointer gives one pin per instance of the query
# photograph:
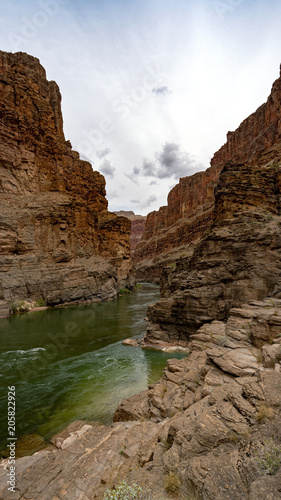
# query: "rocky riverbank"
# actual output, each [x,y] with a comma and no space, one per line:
[210,425]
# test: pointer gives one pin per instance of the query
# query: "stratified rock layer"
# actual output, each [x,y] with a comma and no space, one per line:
[58,242]
[239,257]
[209,428]
[137,226]
[172,231]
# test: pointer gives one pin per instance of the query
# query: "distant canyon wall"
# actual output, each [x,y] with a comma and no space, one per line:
[137,226]
[58,242]
[173,230]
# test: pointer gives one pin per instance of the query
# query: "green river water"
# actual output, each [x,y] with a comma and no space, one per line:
[69,363]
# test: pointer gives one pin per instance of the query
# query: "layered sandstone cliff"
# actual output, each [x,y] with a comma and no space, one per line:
[58,242]
[210,427]
[173,231]
[137,226]
[239,257]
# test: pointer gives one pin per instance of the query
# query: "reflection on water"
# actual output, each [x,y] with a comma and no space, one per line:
[70,363]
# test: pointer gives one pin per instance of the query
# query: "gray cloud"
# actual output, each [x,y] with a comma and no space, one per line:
[102,153]
[145,203]
[170,162]
[148,168]
[134,175]
[107,169]
[161,90]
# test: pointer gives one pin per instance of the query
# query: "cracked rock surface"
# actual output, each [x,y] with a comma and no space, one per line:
[209,423]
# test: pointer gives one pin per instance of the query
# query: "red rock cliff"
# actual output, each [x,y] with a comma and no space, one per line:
[137,226]
[175,228]
[57,239]
[239,258]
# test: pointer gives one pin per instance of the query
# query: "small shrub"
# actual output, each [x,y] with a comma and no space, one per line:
[234,437]
[123,492]
[222,341]
[173,264]
[20,306]
[172,483]
[264,413]
[124,291]
[40,303]
[268,458]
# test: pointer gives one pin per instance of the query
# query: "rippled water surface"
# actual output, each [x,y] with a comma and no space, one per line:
[70,364]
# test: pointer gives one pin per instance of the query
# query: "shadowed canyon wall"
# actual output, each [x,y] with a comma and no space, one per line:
[239,257]
[175,229]
[58,242]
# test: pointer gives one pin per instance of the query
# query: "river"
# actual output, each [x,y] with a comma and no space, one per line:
[69,363]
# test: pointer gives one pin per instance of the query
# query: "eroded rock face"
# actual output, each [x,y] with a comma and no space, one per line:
[221,408]
[172,231]
[212,425]
[137,226]
[237,261]
[57,239]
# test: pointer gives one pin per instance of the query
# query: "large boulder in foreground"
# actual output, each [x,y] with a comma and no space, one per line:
[205,430]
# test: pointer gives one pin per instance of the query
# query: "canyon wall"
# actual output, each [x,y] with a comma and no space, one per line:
[239,257]
[58,242]
[175,229]
[137,226]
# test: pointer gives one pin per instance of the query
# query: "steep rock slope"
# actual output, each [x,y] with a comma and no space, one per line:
[137,226]
[175,229]
[239,257]
[58,242]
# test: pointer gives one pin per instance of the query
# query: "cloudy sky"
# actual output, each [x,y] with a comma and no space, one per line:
[150,87]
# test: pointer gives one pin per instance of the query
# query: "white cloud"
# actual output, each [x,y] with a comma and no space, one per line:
[136,77]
